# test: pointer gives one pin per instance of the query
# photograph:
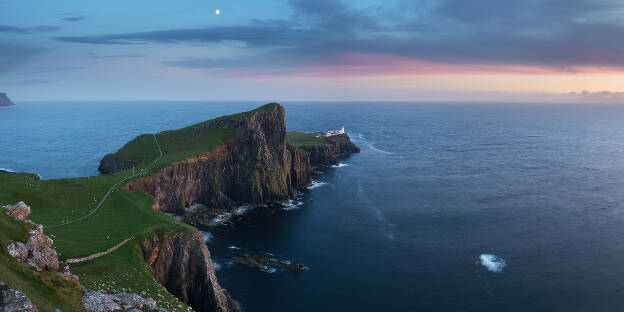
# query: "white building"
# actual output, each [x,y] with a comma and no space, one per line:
[335,132]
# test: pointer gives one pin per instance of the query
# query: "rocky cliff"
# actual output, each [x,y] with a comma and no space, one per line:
[181,263]
[330,150]
[253,166]
[4,100]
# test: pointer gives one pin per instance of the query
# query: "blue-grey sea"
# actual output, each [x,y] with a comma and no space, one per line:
[449,207]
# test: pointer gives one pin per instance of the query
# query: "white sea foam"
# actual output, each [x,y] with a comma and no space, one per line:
[207,236]
[216,265]
[492,262]
[7,170]
[377,149]
[316,184]
[234,247]
[340,165]
[222,218]
[291,205]
[243,209]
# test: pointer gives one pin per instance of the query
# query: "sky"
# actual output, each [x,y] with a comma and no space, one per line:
[313,50]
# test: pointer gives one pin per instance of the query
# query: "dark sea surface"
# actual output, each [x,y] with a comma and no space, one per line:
[407,224]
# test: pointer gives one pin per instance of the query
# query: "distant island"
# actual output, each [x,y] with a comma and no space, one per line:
[4,100]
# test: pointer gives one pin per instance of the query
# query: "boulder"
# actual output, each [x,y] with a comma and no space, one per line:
[19,211]
[18,251]
[14,300]
[66,274]
[46,259]
[38,241]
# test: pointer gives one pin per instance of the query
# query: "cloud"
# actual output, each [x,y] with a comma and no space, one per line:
[72,17]
[598,94]
[127,55]
[553,35]
[12,56]
[27,30]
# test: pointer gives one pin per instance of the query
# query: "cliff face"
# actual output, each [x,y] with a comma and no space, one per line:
[4,100]
[181,263]
[254,166]
[334,147]
[300,167]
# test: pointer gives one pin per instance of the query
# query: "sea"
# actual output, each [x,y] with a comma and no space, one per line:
[448,207]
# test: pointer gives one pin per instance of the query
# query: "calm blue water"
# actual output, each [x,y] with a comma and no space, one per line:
[401,227]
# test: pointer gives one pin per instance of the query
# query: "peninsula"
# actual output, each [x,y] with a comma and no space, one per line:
[106,237]
[4,100]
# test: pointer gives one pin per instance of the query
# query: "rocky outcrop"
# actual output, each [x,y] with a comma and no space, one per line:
[19,211]
[37,251]
[181,263]
[97,301]
[334,147]
[4,100]
[251,167]
[46,259]
[37,241]
[18,251]
[12,300]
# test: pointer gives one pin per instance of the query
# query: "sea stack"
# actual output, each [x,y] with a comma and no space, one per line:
[4,100]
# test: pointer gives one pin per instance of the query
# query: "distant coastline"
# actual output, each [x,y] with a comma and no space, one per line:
[4,100]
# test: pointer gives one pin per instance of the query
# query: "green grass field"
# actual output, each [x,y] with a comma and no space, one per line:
[304,138]
[122,215]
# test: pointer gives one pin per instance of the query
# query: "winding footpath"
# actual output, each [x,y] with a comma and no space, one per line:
[115,186]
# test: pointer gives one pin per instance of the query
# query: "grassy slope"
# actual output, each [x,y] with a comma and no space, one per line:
[122,215]
[304,138]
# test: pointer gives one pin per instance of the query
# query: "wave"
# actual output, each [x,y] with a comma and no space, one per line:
[291,205]
[8,170]
[243,209]
[377,149]
[316,184]
[221,219]
[216,265]
[493,263]
[234,247]
[207,236]
[340,165]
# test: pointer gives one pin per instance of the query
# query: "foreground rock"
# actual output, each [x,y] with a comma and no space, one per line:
[37,251]
[181,263]
[4,100]
[18,251]
[19,211]
[14,300]
[97,301]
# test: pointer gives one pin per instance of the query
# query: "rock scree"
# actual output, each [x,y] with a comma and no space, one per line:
[12,300]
